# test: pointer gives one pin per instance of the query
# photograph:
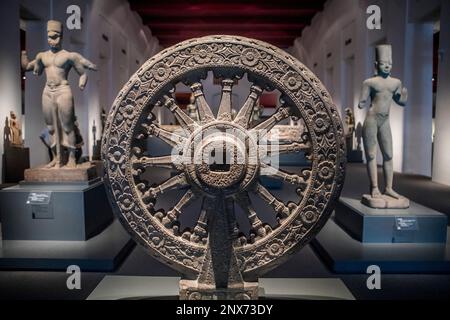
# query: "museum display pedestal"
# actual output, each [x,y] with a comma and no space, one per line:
[6,185]
[385,202]
[344,254]
[114,287]
[192,290]
[416,224]
[83,172]
[50,225]
[16,160]
[50,211]
[103,252]
[412,240]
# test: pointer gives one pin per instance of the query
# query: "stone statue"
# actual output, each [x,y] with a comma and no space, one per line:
[257,111]
[350,123]
[6,133]
[16,130]
[381,89]
[103,117]
[192,109]
[57,99]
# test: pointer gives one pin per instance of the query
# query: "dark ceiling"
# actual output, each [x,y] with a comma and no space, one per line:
[277,22]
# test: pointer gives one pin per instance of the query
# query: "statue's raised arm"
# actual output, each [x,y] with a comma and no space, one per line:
[35,65]
[26,64]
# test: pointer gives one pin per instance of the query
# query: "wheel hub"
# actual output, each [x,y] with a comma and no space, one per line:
[221,158]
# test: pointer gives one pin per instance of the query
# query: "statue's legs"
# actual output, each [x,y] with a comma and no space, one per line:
[66,114]
[385,140]
[49,108]
[370,130]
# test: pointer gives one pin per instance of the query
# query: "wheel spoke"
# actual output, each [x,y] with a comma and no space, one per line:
[175,212]
[200,231]
[170,138]
[185,121]
[161,162]
[271,151]
[244,114]
[278,206]
[204,111]
[268,170]
[243,200]
[175,181]
[224,113]
[264,127]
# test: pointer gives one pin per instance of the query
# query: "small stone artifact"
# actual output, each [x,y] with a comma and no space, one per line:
[218,258]
[191,108]
[57,99]
[6,133]
[381,89]
[350,123]
[16,130]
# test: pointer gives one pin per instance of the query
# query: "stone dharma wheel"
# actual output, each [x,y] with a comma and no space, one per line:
[217,258]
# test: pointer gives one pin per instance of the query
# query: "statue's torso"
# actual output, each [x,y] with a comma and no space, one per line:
[57,66]
[382,91]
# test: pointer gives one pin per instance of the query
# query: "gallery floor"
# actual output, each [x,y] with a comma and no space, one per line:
[306,264]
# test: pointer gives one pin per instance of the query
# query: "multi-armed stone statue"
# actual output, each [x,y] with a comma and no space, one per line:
[381,89]
[57,99]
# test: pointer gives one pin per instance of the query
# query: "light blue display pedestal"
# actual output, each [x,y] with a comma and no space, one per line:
[417,224]
[344,254]
[50,211]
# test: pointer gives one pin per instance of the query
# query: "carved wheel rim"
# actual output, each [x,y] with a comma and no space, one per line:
[130,121]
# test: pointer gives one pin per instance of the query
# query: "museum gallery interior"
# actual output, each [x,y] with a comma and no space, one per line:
[225,150]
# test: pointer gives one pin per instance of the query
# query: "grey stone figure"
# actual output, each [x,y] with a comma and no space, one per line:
[191,108]
[350,123]
[6,133]
[381,89]
[57,99]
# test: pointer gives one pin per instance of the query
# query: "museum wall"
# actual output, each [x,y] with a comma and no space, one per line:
[441,154]
[129,45]
[344,57]
[111,36]
[9,65]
